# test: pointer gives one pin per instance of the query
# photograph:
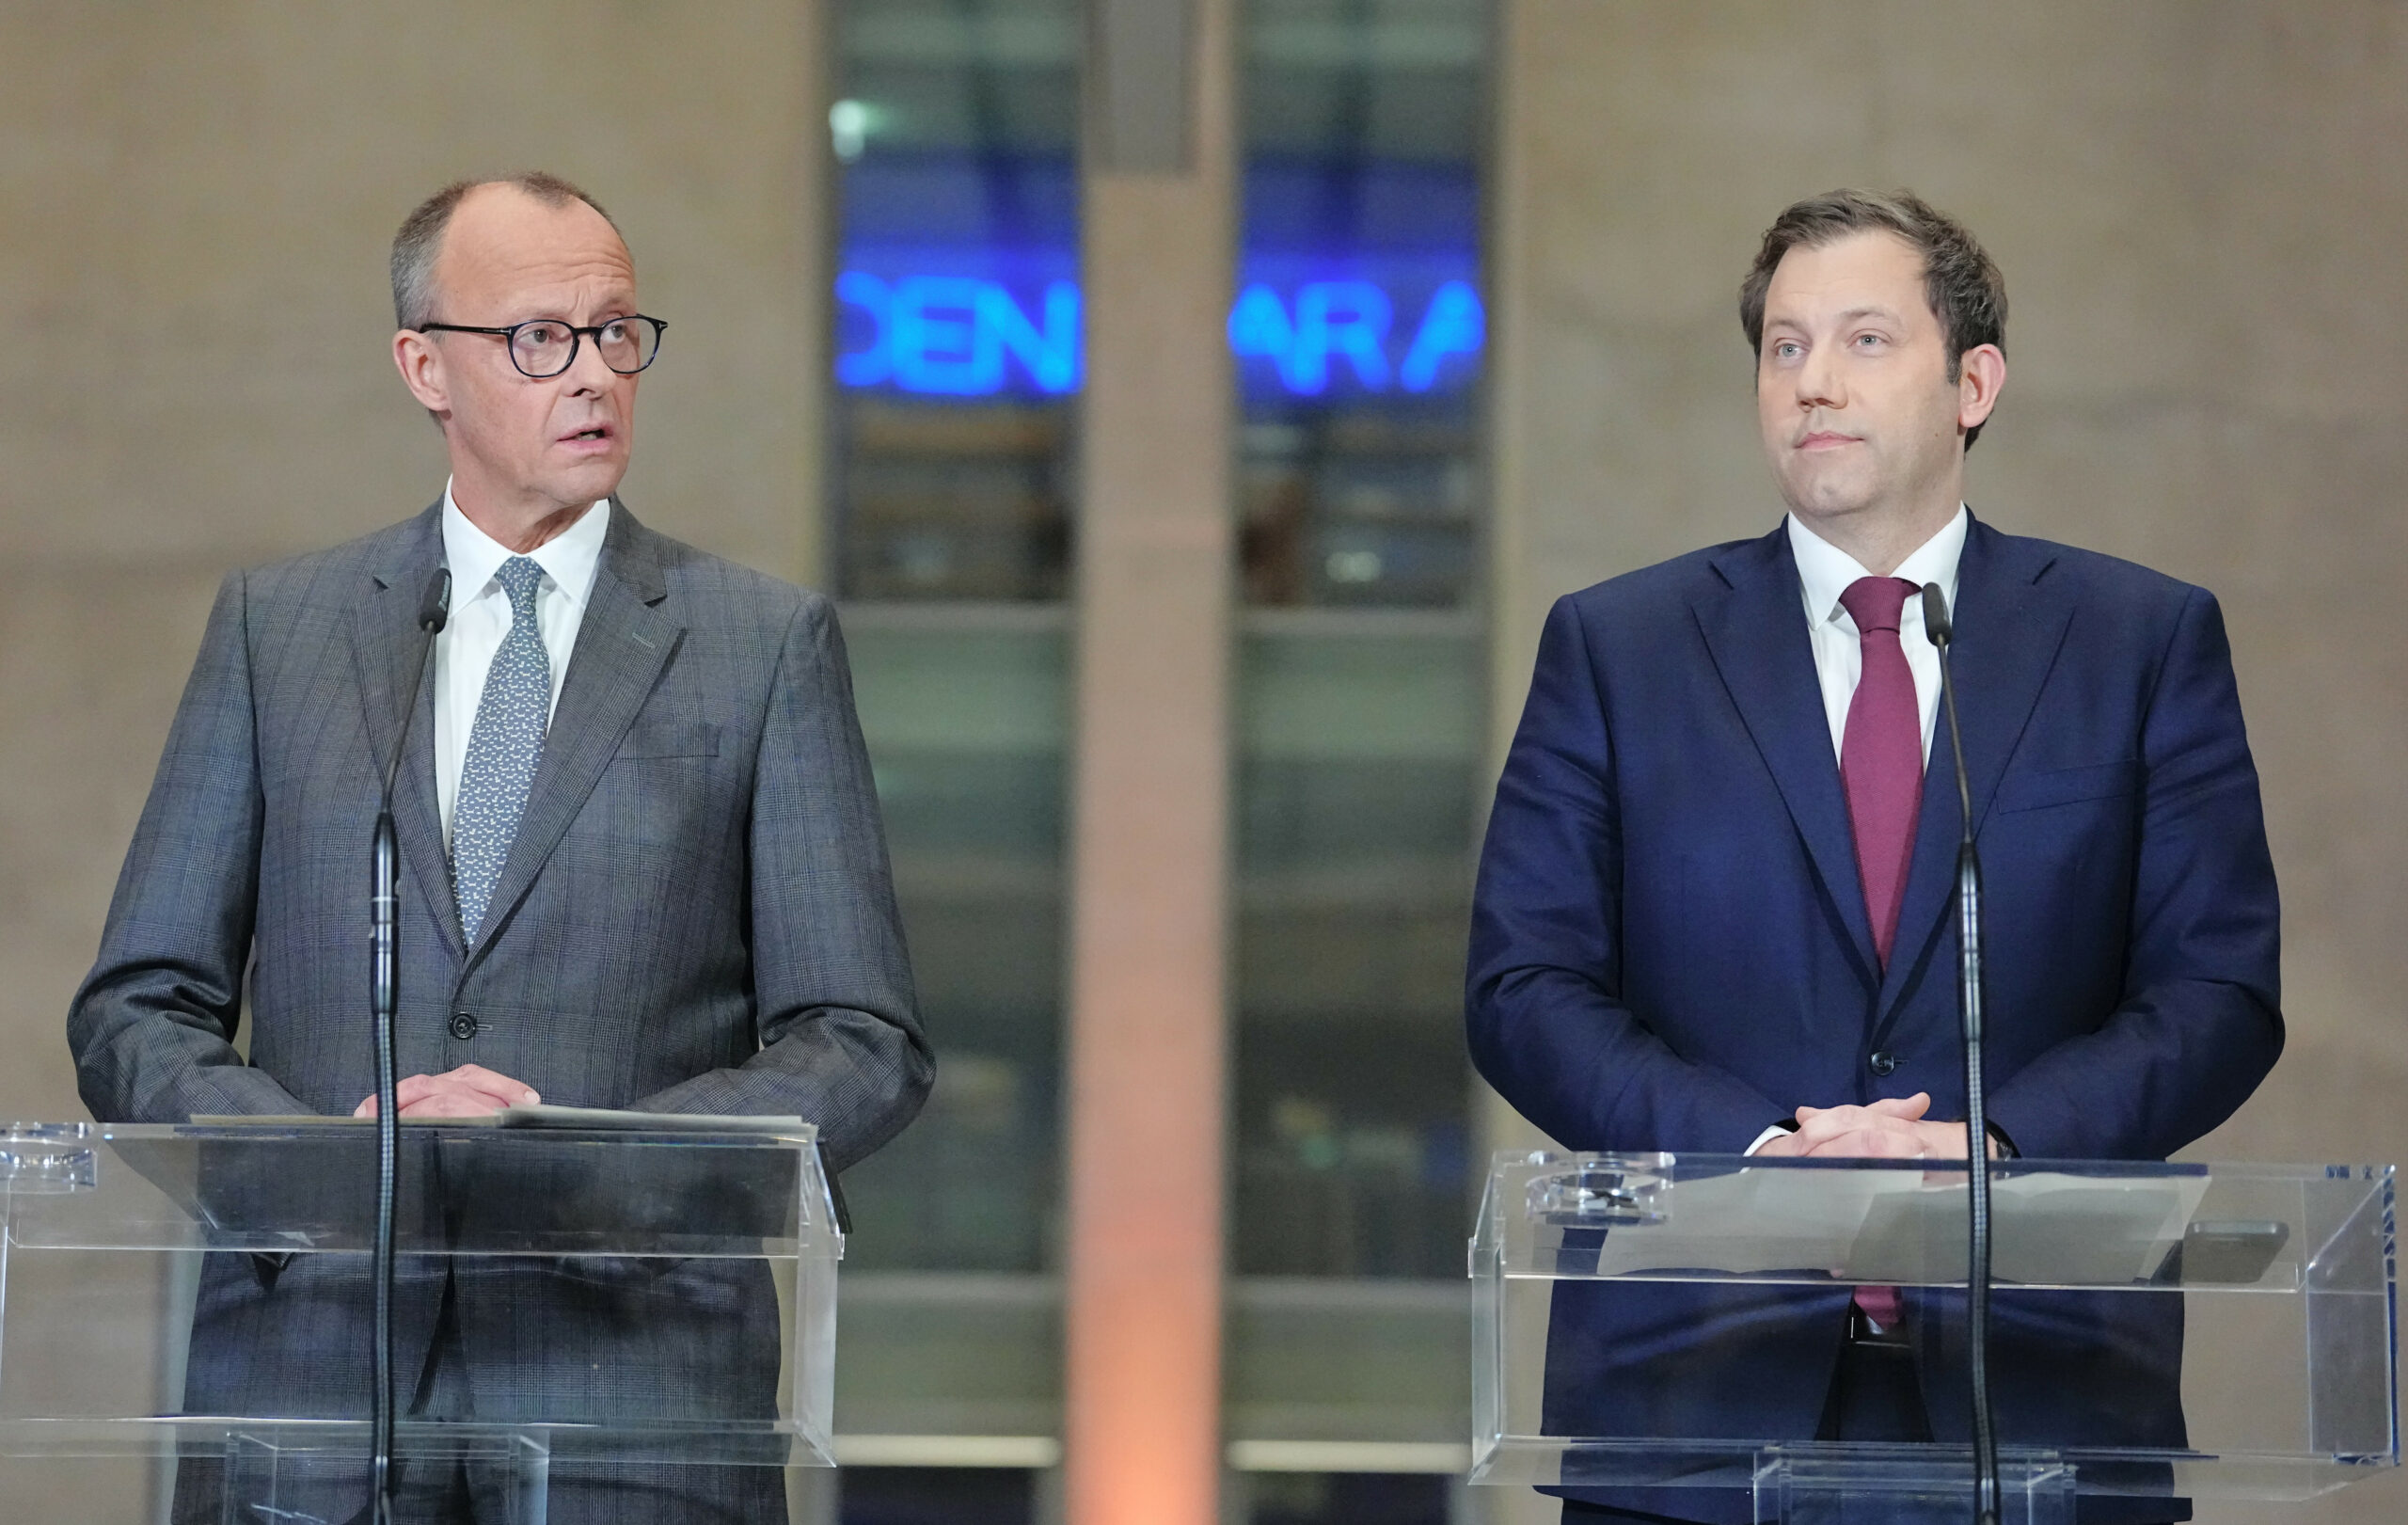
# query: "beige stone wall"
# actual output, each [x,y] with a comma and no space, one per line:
[196,202]
[2202,212]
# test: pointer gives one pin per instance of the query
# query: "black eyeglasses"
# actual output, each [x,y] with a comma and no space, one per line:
[542,348]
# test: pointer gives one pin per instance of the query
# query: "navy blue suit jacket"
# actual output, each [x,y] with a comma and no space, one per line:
[1670,948]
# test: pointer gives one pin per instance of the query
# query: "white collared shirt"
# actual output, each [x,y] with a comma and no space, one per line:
[480,617]
[1824,572]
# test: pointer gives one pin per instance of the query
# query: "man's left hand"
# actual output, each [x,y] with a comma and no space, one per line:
[1891,1128]
[470,1090]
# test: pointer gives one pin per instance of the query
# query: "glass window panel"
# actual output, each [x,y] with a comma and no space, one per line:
[965,719]
[954,317]
[1358,333]
[1348,1499]
[1359,735]
[937,1496]
[1358,327]
[955,304]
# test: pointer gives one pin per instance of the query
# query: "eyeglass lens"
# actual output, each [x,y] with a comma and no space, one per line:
[544,348]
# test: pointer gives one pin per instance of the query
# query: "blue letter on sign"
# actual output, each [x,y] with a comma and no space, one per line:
[939,344]
[1340,317]
[866,367]
[1452,325]
[1051,356]
[1259,327]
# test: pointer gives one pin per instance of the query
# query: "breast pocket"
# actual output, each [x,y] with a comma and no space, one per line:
[2046,787]
[687,738]
[665,789]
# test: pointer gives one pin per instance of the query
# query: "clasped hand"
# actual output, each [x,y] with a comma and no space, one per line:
[1891,1128]
[470,1091]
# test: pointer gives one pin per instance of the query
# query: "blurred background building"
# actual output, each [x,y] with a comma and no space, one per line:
[1444,290]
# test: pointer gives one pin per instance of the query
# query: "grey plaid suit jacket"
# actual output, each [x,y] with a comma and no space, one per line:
[695,915]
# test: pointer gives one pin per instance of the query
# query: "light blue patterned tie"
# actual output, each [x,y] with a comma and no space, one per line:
[503,747]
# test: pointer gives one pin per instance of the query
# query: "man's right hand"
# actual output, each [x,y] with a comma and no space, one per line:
[1890,1127]
[470,1091]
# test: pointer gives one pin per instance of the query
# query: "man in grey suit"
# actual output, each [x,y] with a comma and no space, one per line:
[642,864]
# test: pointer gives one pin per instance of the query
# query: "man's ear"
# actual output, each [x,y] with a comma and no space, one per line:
[1981,375]
[421,367]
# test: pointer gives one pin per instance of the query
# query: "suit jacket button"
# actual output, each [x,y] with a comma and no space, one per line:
[462,1025]
[1883,1061]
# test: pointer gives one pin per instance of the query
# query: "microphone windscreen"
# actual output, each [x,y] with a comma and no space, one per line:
[435,609]
[1935,615]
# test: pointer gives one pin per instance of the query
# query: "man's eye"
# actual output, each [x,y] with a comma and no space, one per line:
[1785,350]
[543,333]
[1867,341]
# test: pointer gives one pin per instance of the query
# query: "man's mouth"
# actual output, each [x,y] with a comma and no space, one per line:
[1826,439]
[591,433]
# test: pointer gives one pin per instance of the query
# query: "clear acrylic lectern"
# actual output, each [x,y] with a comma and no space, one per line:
[2161,1333]
[572,1307]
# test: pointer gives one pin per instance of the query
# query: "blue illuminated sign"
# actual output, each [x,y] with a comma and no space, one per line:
[960,278]
[1308,329]
[1353,322]
[951,335]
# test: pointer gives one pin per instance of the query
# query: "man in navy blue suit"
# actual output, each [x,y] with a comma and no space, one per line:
[1714,905]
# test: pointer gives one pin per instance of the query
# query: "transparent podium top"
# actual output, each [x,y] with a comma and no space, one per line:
[1653,1320]
[640,1293]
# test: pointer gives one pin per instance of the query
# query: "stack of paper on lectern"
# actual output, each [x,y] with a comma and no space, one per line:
[1907,1226]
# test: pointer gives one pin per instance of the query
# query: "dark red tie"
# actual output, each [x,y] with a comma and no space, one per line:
[1881,755]
[1881,769]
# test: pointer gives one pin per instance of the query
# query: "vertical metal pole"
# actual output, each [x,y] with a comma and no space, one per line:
[384,983]
[1941,626]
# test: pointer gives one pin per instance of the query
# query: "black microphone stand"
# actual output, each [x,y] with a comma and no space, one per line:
[1936,625]
[383,985]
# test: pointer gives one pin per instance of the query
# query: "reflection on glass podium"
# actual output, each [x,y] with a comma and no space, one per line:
[578,1309]
[1665,1328]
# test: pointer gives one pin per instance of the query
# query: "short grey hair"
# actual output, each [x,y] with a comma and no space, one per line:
[420,239]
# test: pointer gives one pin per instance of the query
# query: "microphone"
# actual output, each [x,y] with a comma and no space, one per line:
[1942,632]
[384,983]
[433,613]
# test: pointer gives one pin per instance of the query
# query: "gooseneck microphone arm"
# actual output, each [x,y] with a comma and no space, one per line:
[384,984]
[1936,625]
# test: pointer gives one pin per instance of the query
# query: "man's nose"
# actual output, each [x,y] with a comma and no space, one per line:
[1818,381]
[587,371]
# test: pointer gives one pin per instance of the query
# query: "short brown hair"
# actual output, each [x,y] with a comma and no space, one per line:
[420,238]
[1961,281]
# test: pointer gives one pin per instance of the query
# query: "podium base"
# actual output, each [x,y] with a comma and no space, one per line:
[281,1477]
[1905,1485]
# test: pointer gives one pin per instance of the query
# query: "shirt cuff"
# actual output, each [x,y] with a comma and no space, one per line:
[1768,1135]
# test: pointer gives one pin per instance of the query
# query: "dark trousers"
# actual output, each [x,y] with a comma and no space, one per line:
[437,1490]
[1875,1396]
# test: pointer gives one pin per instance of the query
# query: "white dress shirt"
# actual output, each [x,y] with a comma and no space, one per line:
[480,617]
[1824,571]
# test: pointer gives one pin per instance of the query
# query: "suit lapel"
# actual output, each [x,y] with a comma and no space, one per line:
[385,647]
[622,642]
[1756,633]
[2011,622]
